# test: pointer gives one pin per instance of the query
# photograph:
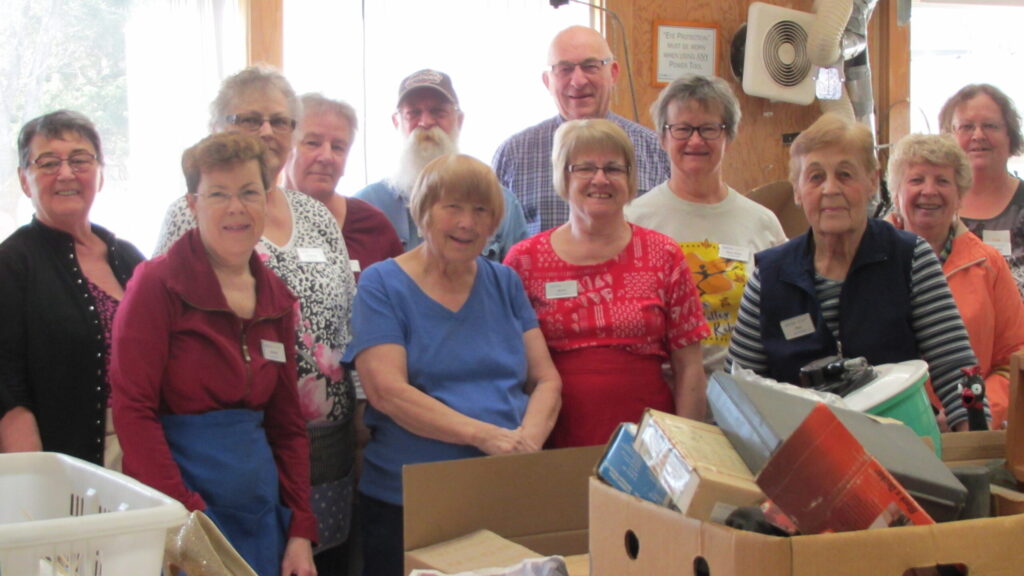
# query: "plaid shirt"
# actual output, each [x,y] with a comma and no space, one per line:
[523,164]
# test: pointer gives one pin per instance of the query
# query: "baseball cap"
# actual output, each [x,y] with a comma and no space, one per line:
[427,78]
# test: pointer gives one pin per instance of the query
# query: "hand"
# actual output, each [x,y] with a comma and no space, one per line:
[532,442]
[298,558]
[496,440]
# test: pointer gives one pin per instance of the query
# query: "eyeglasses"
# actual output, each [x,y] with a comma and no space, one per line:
[253,122]
[247,197]
[79,162]
[590,67]
[589,171]
[683,131]
[968,129]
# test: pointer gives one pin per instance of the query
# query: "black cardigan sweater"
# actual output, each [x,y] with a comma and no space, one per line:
[52,350]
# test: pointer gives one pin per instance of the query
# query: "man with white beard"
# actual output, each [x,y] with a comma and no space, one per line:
[429,120]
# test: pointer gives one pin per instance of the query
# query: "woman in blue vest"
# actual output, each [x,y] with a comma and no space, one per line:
[851,285]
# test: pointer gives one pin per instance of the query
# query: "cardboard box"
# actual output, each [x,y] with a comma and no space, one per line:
[631,537]
[697,466]
[474,551]
[535,500]
[973,448]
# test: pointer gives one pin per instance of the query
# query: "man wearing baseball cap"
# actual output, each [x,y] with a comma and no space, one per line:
[428,119]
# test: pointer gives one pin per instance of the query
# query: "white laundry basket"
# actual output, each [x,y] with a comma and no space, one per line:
[61,516]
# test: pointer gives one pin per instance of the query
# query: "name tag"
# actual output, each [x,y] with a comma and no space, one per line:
[998,239]
[797,326]
[273,351]
[736,253]
[566,289]
[356,268]
[311,254]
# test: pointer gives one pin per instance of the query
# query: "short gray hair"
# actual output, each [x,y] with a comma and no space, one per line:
[254,78]
[833,130]
[932,149]
[711,92]
[55,125]
[315,104]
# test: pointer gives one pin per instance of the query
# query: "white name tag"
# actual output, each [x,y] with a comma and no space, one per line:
[797,326]
[998,239]
[356,268]
[273,351]
[566,289]
[736,253]
[311,254]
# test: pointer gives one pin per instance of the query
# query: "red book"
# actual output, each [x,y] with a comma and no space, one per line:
[822,478]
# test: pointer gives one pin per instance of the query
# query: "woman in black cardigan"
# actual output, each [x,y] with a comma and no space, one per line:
[61,278]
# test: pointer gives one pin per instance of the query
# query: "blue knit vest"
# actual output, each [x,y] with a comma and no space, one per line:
[874,304]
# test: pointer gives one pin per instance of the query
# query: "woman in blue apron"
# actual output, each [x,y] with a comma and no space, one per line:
[203,370]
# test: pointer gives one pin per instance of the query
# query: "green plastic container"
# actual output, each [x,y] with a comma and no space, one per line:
[899,393]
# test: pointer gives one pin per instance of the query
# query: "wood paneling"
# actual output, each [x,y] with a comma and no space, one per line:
[758,155]
[266,32]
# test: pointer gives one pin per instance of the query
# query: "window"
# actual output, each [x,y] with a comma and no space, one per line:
[952,45]
[494,50]
[144,71]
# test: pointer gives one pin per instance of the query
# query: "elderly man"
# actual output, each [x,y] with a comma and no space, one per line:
[429,120]
[326,132]
[580,77]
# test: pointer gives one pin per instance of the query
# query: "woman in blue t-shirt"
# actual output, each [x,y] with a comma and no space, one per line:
[448,350]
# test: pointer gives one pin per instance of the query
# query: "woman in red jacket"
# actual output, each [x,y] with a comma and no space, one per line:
[204,375]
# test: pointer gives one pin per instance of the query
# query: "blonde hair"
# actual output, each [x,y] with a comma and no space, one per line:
[460,177]
[833,130]
[931,149]
[589,135]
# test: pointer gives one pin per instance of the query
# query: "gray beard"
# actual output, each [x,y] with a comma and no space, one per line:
[419,149]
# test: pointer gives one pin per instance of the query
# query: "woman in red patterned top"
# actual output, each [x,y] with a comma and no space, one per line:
[615,301]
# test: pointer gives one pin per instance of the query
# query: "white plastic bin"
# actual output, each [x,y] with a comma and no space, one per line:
[61,516]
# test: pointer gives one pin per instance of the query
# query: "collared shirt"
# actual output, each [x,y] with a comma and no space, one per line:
[385,197]
[523,165]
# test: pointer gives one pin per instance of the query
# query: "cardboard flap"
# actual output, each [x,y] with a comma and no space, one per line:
[513,496]
[476,551]
[973,447]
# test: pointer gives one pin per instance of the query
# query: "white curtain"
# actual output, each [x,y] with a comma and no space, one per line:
[175,54]
[494,50]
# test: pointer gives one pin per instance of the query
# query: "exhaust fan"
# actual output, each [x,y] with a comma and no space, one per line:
[776,64]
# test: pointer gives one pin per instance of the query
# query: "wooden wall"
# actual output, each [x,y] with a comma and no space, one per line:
[758,155]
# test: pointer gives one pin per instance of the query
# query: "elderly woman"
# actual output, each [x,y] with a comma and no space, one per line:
[615,301]
[302,244]
[448,350]
[61,279]
[203,373]
[929,176]
[326,133]
[987,126]
[718,229]
[850,285]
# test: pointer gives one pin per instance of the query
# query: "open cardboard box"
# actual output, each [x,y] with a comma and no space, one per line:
[631,537]
[537,501]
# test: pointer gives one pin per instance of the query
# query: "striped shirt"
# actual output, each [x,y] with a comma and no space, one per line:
[935,320]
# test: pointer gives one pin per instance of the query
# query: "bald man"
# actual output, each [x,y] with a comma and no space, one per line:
[581,75]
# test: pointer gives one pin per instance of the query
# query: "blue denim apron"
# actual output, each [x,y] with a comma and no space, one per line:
[225,457]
